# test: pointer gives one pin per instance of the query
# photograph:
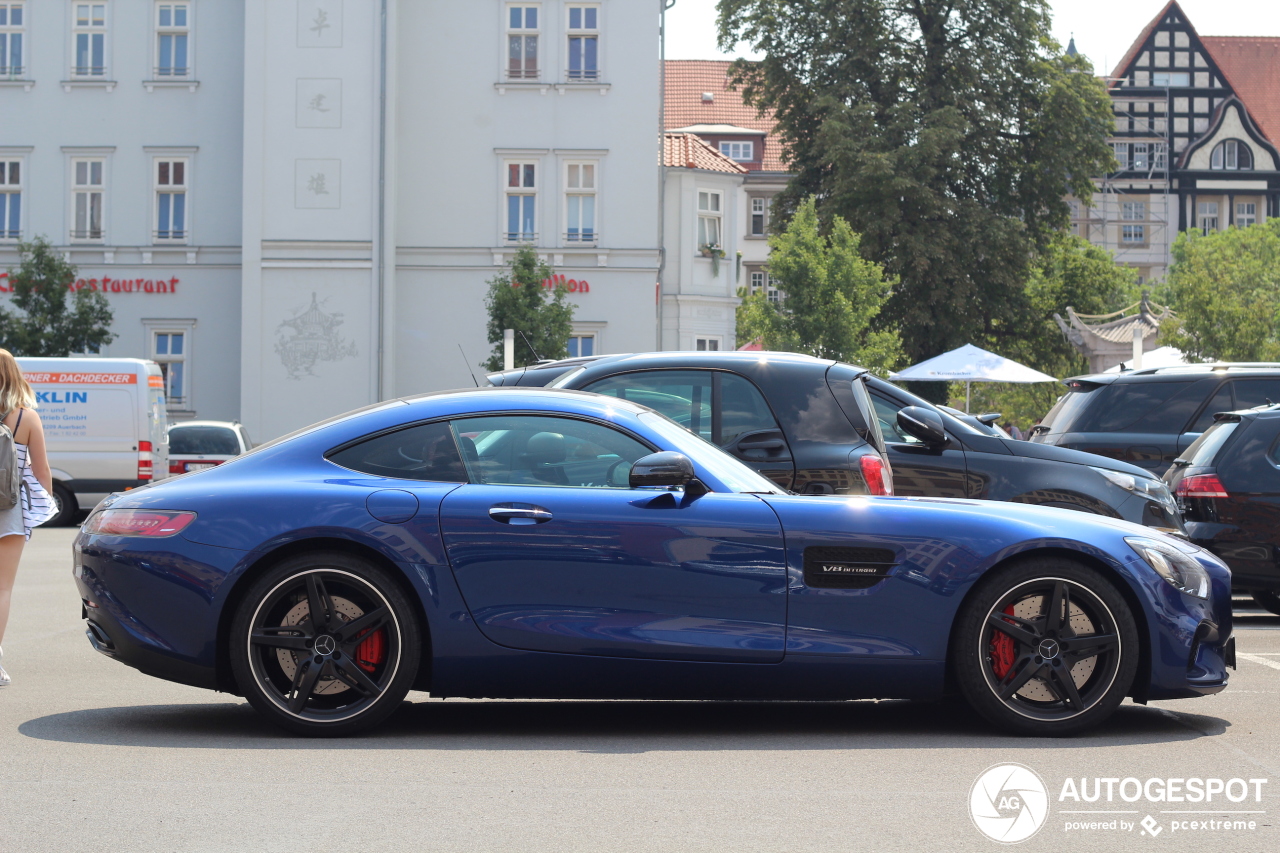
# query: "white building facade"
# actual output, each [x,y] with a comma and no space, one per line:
[296,205]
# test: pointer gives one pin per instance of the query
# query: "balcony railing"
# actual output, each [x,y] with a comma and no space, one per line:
[523,73]
[171,73]
[583,237]
[88,71]
[521,237]
[583,75]
[173,235]
[12,72]
[90,234]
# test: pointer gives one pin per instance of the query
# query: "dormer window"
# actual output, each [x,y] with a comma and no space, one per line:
[1231,155]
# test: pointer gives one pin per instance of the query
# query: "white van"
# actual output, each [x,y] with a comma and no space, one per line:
[104,423]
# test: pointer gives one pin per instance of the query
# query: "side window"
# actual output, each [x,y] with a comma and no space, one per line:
[533,450]
[1221,402]
[1153,407]
[1256,392]
[742,410]
[887,415]
[682,395]
[425,452]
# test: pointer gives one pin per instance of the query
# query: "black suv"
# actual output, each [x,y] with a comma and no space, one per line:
[1148,417]
[1228,484]
[785,424]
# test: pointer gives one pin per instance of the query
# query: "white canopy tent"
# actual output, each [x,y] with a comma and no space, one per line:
[970,364]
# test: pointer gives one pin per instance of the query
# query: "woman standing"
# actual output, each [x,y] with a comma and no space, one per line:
[34,506]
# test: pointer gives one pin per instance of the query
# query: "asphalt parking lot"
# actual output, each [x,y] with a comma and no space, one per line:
[95,756]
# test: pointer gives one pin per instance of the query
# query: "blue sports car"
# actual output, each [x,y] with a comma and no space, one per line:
[513,542]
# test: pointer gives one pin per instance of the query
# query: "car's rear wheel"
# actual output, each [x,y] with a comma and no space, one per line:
[1268,601]
[1047,647]
[325,644]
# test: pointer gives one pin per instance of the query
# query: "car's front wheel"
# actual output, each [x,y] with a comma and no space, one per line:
[1047,647]
[325,644]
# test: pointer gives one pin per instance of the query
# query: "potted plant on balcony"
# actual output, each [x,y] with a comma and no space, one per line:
[715,253]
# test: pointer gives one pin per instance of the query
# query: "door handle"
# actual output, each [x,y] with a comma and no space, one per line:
[519,514]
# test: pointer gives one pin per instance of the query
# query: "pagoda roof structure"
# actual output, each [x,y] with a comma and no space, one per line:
[1107,339]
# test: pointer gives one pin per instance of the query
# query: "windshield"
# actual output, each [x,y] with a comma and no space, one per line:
[721,465]
[564,380]
[1202,451]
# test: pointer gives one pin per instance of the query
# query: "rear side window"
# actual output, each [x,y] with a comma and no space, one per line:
[855,401]
[424,452]
[204,440]
[1154,407]
[1204,449]
[682,395]
[1251,393]
[1069,408]
[1221,402]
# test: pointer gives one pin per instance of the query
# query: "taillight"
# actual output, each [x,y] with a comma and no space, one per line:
[177,467]
[1201,486]
[154,523]
[144,460]
[878,474]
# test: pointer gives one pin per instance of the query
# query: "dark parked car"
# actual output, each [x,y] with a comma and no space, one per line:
[1228,484]
[538,375]
[796,438]
[1148,417]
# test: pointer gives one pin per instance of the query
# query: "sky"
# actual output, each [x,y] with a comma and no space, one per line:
[1103,29]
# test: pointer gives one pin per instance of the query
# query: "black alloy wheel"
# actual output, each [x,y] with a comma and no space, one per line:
[1267,600]
[325,644]
[1047,647]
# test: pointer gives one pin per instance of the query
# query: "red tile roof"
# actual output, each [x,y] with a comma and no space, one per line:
[688,79]
[688,151]
[1251,65]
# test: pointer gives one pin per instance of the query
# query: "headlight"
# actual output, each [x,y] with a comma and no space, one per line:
[1153,489]
[1179,569]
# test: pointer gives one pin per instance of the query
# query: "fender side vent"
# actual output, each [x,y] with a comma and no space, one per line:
[846,568]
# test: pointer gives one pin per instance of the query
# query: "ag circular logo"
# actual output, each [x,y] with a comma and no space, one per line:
[1009,803]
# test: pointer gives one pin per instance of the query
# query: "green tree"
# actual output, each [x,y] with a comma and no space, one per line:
[518,300]
[831,295]
[51,318]
[1225,288]
[1071,272]
[947,133]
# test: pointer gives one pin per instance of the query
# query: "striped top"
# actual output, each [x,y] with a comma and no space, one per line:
[37,506]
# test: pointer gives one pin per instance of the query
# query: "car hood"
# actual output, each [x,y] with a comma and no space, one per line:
[1076,457]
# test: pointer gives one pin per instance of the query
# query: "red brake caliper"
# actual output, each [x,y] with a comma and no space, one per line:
[1002,650]
[373,650]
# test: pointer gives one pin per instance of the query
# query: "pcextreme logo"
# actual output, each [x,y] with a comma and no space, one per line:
[1009,803]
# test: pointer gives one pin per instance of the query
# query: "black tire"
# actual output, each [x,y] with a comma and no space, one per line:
[1267,600]
[1029,673]
[333,680]
[67,507]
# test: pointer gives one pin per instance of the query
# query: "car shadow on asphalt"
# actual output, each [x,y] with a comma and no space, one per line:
[610,727]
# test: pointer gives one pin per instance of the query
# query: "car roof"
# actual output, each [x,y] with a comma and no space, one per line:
[227,424]
[1181,371]
[520,395]
[729,359]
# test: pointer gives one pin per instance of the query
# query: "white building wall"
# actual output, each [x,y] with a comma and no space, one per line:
[128,118]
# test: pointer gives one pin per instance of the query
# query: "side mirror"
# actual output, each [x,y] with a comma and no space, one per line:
[665,469]
[924,424]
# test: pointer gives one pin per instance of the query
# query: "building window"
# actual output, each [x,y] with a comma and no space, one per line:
[522,42]
[90,40]
[1246,214]
[582,345]
[1159,155]
[1122,155]
[1171,78]
[742,152]
[12,26]
[1231,154]
[169,350]
[1141,161]
[1208,216]
[172,35]
[762,282]
[584,43]
[522,202]
[707,344]
[171,199]
[1133,234]
[87,192]
[10,199]
[710,213]
[1134,211]
[580,202]
[759,217]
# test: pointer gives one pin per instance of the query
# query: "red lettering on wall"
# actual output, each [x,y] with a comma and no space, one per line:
[572,285]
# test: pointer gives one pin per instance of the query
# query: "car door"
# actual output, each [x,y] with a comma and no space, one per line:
[918,469]
[553,551]
[723,407]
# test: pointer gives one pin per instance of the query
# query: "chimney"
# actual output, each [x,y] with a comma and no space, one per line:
[708,97]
